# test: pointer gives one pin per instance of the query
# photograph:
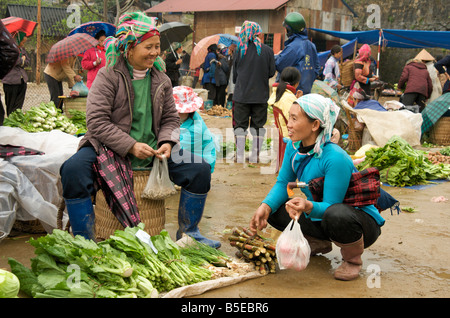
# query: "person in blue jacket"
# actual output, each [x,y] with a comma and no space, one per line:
[298,52]
[209,69]
[195,136]
[310,124]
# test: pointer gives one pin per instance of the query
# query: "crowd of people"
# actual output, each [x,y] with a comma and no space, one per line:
[126,74]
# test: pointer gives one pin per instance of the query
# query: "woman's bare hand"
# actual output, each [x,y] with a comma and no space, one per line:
[142,150]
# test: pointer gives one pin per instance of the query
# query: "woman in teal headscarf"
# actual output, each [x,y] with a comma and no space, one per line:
[131,110]
[309,155]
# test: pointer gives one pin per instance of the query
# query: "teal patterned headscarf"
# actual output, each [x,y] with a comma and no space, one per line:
[133,28]
[326,111]
[249,33]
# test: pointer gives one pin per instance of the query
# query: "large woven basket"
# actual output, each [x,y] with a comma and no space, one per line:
[152,212]
[75,103]
[347,73]
[440,133]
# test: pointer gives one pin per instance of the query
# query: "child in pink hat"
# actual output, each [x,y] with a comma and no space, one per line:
[194,134]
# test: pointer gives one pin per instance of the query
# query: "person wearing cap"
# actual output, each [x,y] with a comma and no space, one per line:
[195,136]
[130,110]
[310,155]
[15,82]
[173,63]
[298,52]
[94,58]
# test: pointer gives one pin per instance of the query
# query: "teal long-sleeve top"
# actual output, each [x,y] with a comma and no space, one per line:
[197,138]
[334,164]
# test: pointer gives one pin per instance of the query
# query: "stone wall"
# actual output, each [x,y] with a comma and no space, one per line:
[402,14]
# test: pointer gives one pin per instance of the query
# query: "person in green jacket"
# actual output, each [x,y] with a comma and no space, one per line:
[194,134]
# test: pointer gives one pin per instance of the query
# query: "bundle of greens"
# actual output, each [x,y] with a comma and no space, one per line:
[401,165]
[78,118]
[44,117]
[121,266]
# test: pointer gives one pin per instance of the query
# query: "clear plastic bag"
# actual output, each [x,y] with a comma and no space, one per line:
[159,186]
[293,250]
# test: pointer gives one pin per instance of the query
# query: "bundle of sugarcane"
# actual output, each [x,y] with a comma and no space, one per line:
[255,249]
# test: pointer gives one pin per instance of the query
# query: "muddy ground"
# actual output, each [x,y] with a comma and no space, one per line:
[410,258]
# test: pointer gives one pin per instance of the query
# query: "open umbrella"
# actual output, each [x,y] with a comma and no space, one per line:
[201,49]
[115,178]
[92,28]
[173,32]
[70,46]
[15,24]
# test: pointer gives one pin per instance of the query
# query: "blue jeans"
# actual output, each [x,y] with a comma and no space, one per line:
[77,175]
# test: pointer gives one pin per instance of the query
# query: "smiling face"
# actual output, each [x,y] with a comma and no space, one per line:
[143,55]
[301,127]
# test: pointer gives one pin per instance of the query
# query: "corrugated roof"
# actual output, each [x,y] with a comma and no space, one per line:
[216,5]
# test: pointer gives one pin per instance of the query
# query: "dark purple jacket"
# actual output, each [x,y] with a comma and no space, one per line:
[417,79]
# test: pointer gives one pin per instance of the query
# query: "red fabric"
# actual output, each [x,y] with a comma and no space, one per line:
[90,56]
[364,188]
[418,78]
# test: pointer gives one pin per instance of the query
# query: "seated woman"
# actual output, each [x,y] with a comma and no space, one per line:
[363,72]
[195,137]
[351,228]
[130,109]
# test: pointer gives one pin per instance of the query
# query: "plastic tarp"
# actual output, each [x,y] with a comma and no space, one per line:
[347,50]
[30,186]
[396,38]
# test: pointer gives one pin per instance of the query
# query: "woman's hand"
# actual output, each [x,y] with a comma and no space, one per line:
[259,219]
[164,151]
[297,206]
[142,150]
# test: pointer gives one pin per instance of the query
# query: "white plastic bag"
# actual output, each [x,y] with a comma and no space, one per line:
[293,250]
[159,186]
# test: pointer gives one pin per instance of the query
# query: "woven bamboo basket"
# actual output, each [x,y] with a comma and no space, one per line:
[32,227]
[440,133]
[354,136]
[347,73]
[75,103]
[152,212]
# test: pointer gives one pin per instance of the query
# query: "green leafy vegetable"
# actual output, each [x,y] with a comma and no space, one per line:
[401,165]
[9,284]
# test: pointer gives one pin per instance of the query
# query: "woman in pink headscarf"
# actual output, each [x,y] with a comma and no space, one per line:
[363,72]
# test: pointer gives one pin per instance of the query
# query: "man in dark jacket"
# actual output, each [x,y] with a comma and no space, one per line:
[298,52]
[418,84]
[173,63]
[253,67]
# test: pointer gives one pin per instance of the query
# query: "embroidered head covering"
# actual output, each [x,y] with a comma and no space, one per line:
[186,100]
[364,53]
[326,111]
[249,33]
[133,28]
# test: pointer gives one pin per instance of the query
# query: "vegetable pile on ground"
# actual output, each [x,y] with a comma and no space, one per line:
[255,249]
[441,156]
[45,117]
[119,267]
[401,165]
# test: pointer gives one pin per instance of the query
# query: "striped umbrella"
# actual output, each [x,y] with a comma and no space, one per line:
[14,25]
[70,46]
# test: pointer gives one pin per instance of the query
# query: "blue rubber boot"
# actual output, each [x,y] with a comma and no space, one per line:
[190,213]
[82,217]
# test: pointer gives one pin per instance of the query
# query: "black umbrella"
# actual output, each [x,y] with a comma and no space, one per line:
[173,32]
[115,178]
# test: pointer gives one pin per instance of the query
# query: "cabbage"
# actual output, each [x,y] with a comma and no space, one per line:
[9,284]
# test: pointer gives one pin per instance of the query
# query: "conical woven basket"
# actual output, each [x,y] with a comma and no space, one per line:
[152,212]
